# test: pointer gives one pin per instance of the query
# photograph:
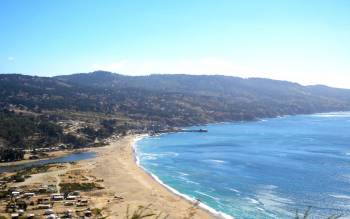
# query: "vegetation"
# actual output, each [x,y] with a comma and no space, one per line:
[97,212]
[107,128]
[191,212]
[4,193]
[23,131]
[84,109]
[174,100]
[143,212]
[35,169]
[10,154]
[21,175]
[71,187]
[16,129]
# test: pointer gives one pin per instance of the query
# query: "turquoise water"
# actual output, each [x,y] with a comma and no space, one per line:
[264,169]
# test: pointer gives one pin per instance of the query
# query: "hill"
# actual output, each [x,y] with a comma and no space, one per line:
[93,105]
[253,97]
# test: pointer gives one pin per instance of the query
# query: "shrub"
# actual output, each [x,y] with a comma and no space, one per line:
[143,212]
[70,187]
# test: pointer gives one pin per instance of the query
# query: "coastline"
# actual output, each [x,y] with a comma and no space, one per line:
[116,164]
[122,183]
[201,205]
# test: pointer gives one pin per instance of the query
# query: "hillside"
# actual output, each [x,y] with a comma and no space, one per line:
[153,102]
[268,97]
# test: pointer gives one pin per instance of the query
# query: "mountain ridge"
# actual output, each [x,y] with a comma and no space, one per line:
[201,84]
[81,107]
[236,98]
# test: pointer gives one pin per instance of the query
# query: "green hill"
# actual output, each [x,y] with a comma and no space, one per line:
[162,101]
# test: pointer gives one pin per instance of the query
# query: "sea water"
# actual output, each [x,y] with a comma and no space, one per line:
[262,169]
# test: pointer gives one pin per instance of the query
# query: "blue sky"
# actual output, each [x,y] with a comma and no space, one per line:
[307,41]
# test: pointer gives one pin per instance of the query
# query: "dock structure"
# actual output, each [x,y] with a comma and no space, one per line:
[181,130]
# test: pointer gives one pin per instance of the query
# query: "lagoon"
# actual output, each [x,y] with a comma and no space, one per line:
[73,157]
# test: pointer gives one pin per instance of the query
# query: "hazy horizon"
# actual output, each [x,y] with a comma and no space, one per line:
[297,41]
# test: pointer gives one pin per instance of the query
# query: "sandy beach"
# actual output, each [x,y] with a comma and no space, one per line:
[122,178]
[119,185]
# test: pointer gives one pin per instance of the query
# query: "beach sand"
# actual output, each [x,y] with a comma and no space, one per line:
[126,184]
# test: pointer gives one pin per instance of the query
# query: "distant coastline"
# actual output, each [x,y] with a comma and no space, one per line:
[121,156]
[331,116]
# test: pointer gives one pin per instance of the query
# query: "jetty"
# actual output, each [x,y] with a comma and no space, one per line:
[181,130]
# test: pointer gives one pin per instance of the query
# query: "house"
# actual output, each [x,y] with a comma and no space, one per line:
[43,201]
[15,193]
[76,193]
[42,189]
[63,146]
[82,203]
[30,216]
[87,213]
[51,216]
[57,197]
[11,207]
[71,197]
[44,206]
[68,203]
[14,215]
[68,213]
[48,212]
[34,157]
[20,212]
[28,194]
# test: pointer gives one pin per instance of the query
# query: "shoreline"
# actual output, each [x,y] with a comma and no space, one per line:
[123,177]
[210,210]
[121,180]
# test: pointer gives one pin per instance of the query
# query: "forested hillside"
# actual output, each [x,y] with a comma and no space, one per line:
[145,102]
[252,98]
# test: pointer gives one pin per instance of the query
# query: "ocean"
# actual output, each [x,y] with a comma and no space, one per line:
[264,169]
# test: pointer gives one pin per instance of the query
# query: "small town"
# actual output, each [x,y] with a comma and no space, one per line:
[54,191]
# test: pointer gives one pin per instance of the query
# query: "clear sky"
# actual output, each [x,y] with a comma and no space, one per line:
[307,41]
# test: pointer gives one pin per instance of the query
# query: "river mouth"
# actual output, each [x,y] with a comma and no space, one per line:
[73,157]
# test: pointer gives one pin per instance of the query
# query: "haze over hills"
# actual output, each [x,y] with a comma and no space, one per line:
[120,103]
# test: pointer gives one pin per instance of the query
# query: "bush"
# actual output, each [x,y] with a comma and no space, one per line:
[144,212]
[70,187]
[4,194]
